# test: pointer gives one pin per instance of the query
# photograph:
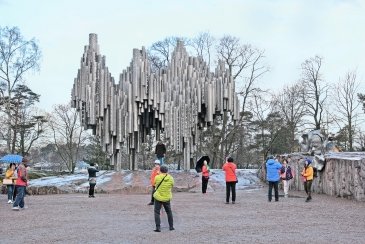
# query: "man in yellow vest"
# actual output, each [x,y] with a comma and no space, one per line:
[163,195]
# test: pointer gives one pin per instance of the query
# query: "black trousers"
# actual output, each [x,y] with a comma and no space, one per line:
[307,188]
[153,191]
[91,189]
[274,184]
[204,184]
[231,186]
[157,210]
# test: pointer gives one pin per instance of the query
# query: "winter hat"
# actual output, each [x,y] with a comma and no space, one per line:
[308,161]
[157,161]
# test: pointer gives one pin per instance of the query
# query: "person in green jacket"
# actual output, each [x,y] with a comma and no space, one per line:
[163,195]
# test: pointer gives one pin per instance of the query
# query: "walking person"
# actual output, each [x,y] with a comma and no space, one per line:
[229,168]
[92,178]
[20,185]
[10,176]
[160,151]
[273,168]
[154,173]
[307,174]
[205,176]
[163,195]
[286,176]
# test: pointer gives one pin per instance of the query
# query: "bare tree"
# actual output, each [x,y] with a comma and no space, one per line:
[202,44]
[290,104]
[68,134]
[245,65]
[17,57]
[347,106]
[160,52]
[316,91]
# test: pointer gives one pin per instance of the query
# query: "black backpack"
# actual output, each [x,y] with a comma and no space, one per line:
[315,172]
[289,174]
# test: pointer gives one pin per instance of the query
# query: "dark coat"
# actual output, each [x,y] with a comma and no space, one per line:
[160,150]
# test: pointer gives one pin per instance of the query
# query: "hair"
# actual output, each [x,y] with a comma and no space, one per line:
[164,169]
[11,164]
[92,164]
[230,159]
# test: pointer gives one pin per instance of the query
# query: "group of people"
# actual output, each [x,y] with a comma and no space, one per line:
[275,171]
[162,184]
[16,179]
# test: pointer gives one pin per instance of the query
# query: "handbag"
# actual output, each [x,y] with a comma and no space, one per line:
[7,181]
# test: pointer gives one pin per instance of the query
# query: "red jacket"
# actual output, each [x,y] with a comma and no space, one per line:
[230,169]
[22,179]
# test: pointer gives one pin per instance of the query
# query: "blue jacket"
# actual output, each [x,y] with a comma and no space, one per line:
[272,170]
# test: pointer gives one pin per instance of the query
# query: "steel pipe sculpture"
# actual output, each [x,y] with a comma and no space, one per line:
[179,101]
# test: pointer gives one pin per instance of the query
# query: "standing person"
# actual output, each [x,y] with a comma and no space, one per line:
[286,176]
[163,195]
[307,173]
[273,176]
[160,152]
[154,173]
[205,176]
[10,187]
[231,179]
[20,185]
[92,178]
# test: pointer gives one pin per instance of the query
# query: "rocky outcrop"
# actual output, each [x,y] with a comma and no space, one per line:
[343,176]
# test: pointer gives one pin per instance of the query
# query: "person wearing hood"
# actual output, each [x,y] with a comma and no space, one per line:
[307,174]
[163,195]
[273,177]
[21,183]
[155,171]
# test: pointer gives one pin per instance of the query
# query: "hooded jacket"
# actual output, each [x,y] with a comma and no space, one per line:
[272,170]
[163,192]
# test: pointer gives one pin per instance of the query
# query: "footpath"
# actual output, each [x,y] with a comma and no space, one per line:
[126,218]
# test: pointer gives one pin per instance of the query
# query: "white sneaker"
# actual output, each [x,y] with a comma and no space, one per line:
[25,207]
[10,201]
[16,208]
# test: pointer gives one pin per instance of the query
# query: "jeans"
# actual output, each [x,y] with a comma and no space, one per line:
[161,160]
[276,188]
[157,211]
[231,186]
[19,200]
[204,184]
[10,192]
[91,189]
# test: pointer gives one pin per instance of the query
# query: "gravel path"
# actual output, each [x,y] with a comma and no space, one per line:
[122,218]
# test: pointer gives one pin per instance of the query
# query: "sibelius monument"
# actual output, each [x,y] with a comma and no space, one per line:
[179,100]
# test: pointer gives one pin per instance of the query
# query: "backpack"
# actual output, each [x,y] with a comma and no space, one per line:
[289,173]
[282,170]
[315,172]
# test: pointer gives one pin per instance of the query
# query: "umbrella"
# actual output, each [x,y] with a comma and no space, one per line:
[11,158]
[199,163]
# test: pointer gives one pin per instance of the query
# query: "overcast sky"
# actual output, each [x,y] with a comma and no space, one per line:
[290,31]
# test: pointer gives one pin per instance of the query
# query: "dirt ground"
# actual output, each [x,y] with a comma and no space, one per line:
[126,218]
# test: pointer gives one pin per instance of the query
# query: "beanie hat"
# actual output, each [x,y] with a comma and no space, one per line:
[308,161]
[157,161]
